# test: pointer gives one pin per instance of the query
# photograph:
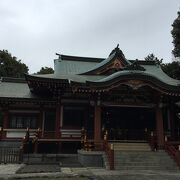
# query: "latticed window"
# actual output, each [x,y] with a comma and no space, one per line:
[27,121]
[33,122]
[23,121]
[19,122]
[13,122]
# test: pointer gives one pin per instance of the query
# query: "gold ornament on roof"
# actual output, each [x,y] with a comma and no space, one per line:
[135,84]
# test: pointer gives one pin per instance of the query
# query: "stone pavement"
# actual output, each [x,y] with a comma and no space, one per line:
[136,175]
[37,168]
[8,171]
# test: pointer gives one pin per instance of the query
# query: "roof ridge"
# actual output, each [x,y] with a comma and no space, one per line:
[79,58]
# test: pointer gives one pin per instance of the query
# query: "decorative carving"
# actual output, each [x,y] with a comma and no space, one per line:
[135,84]
[117,64]
[113,67]
[135,66]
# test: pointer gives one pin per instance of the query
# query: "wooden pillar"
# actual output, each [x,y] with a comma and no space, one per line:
[5,122]
[159,128]
[58,119]
[5,119]
[40,122]
[97,123]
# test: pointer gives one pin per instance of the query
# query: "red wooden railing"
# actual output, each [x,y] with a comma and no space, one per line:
[1,133]
[173,152]
[49,135]
[151,138]
[108,148]
[91,145]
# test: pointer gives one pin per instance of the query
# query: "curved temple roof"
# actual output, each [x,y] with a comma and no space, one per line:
[99,73]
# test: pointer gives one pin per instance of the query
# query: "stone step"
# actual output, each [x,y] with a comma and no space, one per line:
[126,145]
[170,164]
[130,144]
[145,168]
[140,153]
[142,160]
[131,147]
[146,162]
[151,158]
[135,146]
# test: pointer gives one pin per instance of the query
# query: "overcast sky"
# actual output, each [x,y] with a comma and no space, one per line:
[34,30]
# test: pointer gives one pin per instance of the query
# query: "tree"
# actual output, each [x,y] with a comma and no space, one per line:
[152,57]
[172,69]
[45,70]
[10,66]
[176,36]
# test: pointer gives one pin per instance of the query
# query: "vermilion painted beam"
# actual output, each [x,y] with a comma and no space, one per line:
[5,122]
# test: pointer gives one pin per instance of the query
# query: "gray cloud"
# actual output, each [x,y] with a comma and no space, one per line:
[34,30]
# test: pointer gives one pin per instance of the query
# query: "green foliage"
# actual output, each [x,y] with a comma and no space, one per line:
[152,57]
[10,66]
[172,69]
[176,36]
[45,70]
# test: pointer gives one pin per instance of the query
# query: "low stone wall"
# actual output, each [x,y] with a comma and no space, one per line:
[47,158]
[90,158]
[84,158]
[32,158]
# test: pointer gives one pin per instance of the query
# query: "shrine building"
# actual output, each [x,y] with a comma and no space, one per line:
[125,98]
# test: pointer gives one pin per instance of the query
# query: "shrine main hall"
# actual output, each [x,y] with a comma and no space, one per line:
[125,99]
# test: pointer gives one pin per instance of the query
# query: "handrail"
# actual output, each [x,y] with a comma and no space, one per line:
[91,145]
[1,133]
[48,134]
[151,138]
[173,152]
[110,153]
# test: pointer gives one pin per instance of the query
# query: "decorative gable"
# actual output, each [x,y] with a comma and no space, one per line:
[115,62]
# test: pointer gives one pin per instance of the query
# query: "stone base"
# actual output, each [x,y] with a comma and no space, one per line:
[90,158]
[64,160]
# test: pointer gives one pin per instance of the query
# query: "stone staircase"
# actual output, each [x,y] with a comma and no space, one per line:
[138,156]
[132,146]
